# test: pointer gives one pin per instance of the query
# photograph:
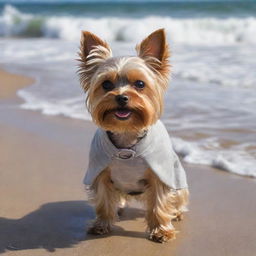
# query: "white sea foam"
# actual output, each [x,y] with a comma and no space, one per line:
[208,152]
[72,107]
[207,31]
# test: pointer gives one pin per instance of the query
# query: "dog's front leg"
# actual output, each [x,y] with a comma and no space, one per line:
[160,203]
[105,199]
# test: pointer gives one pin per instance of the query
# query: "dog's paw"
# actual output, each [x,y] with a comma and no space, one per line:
[162,236]
[98,229]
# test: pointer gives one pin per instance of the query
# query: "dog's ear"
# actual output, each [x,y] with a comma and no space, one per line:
[90,42]
[93,52]
[155,51]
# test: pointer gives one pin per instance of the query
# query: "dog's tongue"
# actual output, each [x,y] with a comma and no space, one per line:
[122,113]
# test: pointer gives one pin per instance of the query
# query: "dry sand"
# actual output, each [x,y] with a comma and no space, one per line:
[44,210]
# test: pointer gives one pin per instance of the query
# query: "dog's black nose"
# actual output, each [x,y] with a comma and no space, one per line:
[122,100]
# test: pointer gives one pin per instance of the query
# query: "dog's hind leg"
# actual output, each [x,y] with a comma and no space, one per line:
[105,199]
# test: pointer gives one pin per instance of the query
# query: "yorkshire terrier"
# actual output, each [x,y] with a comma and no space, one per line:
[131,154]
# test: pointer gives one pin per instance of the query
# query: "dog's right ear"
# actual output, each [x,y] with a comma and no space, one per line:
[90,42]
[93,52]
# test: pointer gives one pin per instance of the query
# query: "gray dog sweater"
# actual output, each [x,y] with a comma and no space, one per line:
[128,166]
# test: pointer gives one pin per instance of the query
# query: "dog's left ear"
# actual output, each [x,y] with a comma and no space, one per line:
[155,46]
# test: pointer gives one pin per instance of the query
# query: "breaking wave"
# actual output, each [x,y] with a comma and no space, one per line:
[210,31]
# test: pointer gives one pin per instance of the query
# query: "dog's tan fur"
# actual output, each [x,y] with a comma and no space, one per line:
[162,203]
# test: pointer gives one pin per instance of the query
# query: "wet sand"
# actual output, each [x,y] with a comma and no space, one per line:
[10,83]
[44,209]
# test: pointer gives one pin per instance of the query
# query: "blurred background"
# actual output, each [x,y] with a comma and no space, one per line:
[210,106]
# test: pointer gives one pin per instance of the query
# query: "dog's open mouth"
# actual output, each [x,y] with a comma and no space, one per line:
[123,113]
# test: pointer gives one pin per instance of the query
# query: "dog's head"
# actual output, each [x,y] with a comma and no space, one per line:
[124,93]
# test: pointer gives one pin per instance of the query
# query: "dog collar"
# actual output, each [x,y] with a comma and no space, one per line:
[125,154]
[139,138]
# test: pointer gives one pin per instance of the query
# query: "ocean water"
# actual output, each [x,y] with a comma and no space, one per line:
[210,106]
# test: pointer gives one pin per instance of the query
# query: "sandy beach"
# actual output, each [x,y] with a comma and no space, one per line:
[44,209]
[13,82]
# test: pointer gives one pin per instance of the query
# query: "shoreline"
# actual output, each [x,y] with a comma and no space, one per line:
[43,161]
[9,85]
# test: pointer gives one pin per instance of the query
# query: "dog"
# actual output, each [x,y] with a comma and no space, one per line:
[131,154]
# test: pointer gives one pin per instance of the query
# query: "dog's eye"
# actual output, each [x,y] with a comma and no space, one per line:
[139,84]
[108,85]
